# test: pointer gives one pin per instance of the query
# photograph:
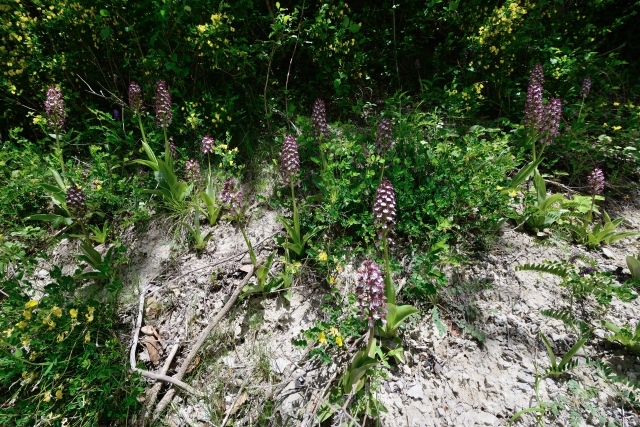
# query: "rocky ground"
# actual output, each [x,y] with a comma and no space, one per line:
[251,373]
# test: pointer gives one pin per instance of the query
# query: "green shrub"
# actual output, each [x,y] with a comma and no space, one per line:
[61,362]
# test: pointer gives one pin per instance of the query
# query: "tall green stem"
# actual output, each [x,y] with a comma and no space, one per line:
[144,136]
[252,254]
[59,152]
[389,290]
[371,342]
[296,218]
[167,148]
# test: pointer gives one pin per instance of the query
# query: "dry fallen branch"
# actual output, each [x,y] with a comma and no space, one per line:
[201,339]
[132,356]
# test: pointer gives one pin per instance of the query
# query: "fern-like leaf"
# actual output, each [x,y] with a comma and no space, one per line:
[554,269]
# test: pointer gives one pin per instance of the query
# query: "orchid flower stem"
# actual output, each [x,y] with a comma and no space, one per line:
[252,254]
[372,340]
[296,219]
[144,136]
[389,290]
[167,149]
[59,152]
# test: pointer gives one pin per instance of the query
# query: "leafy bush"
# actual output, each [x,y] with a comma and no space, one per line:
[61,361]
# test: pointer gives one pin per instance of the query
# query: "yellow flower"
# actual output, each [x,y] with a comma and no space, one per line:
[89,315]
[322,339]
[499,188]
[230,162]
[47,396]
[339,341]
[333,331]
[87,336]
[26,341]
[512,193]
[604,125]
[22,324]
[74,313]
[8,332]
[31,304]
[27,314]
[332,280]
[615,104]
[59,394]
[322,256]
[56,311]
[51,324]
[617,128]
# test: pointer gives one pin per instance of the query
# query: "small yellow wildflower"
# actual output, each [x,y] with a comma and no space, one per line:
[333,331]
[332,280]
[616,104]
[25,341]
[322,256]
[51,324]
[22,324]
[87,336]
[616,128]
[322,339]
[74,313]
[605,125]
[513,193]
[27,314]
[31,304]
[8,332]
[89,315]
[339,341]
[230,162]
[56,311]
[47,396]
[499,188]
[59,394]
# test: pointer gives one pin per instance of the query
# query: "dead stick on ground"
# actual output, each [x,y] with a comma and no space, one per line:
[201,339]
[132,356]
[153,395]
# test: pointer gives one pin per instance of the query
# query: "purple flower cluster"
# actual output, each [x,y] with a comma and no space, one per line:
[551,122]
[192,170]
[289,159]
[116,115]
[537,75]
[207,145]
[544,119]
[76,200]
[385,135]
[54,106]
[384,210]
[232,197]
[319,118]
[586,87]
[533,108]
[370,291]
[172,148]
[595,180]
[163,105]
[135,97]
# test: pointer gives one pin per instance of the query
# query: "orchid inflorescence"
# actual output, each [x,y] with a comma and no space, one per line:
[585,88]
[207,145]
[595,180]
[54,106]
[289,159]
[384,210]
[544,119]
[232,197]
[319,118]
[192,169]
[163,105]
[370,290]
[76,200]
[385,135]
[135,97]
